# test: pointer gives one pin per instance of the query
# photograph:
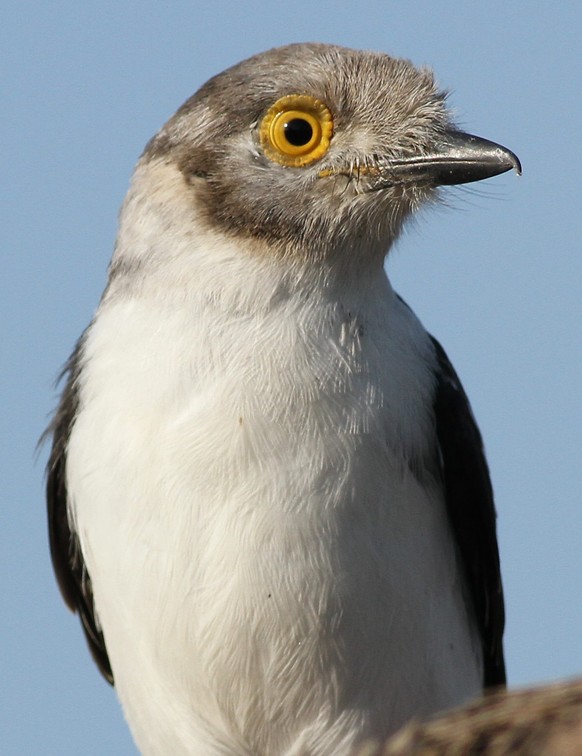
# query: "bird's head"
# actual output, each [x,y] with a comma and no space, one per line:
[316,148]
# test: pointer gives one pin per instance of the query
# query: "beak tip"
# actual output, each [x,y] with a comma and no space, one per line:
[511,160]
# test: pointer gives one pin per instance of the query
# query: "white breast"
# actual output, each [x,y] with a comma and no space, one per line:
[270,575]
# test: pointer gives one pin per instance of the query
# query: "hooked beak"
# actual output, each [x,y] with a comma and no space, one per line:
[457,158]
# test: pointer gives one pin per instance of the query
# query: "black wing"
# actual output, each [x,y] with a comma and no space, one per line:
[67,559]
[469,499]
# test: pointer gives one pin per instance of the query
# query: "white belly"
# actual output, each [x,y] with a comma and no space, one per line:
[270,575]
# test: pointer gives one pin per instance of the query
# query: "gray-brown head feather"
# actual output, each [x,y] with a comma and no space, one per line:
[381,106]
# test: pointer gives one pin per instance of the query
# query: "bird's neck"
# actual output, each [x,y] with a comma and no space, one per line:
[167,250]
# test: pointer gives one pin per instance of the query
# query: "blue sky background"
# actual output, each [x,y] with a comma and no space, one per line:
[496,275]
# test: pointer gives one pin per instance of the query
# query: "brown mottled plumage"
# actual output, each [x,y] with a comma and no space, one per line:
[539,721]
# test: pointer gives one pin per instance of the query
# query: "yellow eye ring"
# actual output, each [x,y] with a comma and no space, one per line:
[296,130]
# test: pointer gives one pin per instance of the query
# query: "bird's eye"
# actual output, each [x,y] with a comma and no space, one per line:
[296,130]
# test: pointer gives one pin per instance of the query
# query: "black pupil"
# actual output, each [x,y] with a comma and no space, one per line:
[298,132]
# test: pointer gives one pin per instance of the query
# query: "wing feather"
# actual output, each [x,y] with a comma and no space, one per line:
[67,558]
[471,510]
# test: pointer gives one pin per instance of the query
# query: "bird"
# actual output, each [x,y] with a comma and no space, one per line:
[268,498]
